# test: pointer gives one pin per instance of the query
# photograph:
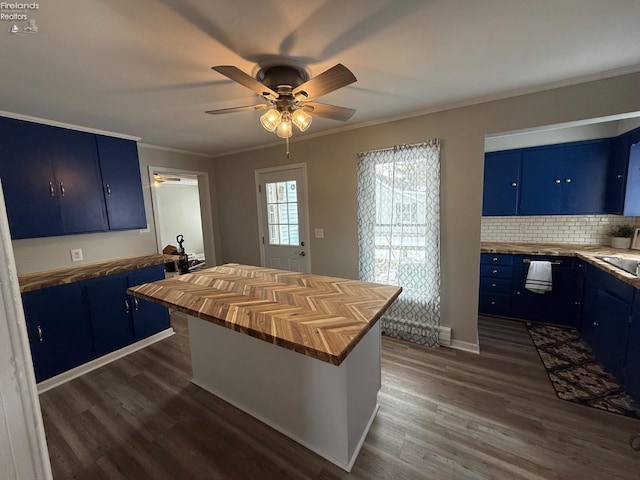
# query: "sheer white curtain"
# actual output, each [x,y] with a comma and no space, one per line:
[399,235]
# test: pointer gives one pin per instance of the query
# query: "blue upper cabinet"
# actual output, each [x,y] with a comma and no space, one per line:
[53,181]
[26,170]
[632,193]
[623,188]
[121,183]
[77,173]
[568,179]
[501,181]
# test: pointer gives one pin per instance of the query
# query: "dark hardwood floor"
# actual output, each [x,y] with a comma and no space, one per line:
[444,414]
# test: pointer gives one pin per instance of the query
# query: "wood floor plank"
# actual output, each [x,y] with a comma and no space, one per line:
[444,414]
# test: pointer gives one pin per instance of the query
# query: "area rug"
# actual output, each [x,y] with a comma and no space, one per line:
[574,372]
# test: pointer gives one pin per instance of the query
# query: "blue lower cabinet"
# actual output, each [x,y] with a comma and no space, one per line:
[59,328]
[495,284]
[607,308]
[69,325]
[148,318]
[632,361]
[503,293]
[110,313]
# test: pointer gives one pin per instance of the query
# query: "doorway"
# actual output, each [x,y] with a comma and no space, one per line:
[181,206]
[283,217]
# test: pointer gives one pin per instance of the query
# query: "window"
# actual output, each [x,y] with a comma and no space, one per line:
[282,213]
[399,235]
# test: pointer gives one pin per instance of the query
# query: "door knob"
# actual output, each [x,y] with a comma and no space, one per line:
[302,254]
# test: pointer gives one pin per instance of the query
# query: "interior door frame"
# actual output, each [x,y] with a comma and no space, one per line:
[206,215]
[261,207]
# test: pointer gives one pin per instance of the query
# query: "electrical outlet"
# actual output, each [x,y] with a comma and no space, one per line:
[76,254]
[319,232]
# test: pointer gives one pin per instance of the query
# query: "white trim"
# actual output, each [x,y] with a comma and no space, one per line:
[205,209]
[70,126]
[64,377]
[464,346]
[24,453]
[261,233]
[175,150]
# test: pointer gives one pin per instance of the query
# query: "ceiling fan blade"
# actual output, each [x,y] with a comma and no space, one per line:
[237,75]
[329,111]
[259,106]
[336,77]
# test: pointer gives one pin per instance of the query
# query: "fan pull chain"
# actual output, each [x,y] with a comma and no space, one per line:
[287,142]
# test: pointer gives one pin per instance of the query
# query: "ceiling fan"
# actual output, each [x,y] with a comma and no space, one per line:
[288,92]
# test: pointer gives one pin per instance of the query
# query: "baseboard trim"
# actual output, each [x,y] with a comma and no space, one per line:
[64,377]
[464,346]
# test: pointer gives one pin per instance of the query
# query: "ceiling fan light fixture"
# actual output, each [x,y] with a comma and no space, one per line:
[284,128]
[270,120]
[301,119]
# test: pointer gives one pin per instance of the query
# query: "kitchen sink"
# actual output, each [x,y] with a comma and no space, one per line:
[629,265]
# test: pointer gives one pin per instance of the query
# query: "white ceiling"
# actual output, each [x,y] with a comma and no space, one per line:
[142,67]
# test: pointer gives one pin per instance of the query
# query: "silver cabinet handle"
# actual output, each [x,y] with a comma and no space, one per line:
[494,271]
[52,190]
[493,284]
[620,175]
[108,187]
[135,303]
[39,333]
[127,307]
[494,259]
[514,184]
[62,188]
[557,180]
[567,180]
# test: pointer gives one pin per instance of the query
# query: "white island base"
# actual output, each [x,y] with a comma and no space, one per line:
[328,409]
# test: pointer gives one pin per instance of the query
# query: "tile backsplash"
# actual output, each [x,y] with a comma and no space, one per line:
[589,229]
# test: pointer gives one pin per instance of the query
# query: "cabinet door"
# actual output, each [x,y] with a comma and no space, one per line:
[632,194]
[565,179]
[121,183]
[617,174]
[75,162]
[605,325]
[59,329]
[501,180]
[110,308]
[541,186]
[148,317]
[28,181]
[632,363]
[584,177]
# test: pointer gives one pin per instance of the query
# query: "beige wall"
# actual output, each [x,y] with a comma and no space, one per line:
[38,254]
[332,162]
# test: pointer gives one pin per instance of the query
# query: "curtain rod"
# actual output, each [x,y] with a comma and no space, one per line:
[428,143]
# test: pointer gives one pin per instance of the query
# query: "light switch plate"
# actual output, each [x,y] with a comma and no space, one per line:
[319,232]
[76,254]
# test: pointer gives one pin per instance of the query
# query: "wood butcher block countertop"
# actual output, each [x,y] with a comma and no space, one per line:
[318,316]
[589,253]
[51,278]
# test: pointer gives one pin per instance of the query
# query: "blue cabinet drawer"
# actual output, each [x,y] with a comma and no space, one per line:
[495,271]
[495,259]
[495,304]
[495,285]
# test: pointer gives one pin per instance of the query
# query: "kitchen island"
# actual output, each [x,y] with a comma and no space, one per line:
[299,352]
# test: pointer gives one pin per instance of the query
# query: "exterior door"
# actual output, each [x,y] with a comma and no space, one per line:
[282,213]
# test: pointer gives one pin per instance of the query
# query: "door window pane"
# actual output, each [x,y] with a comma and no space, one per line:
[282,213]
